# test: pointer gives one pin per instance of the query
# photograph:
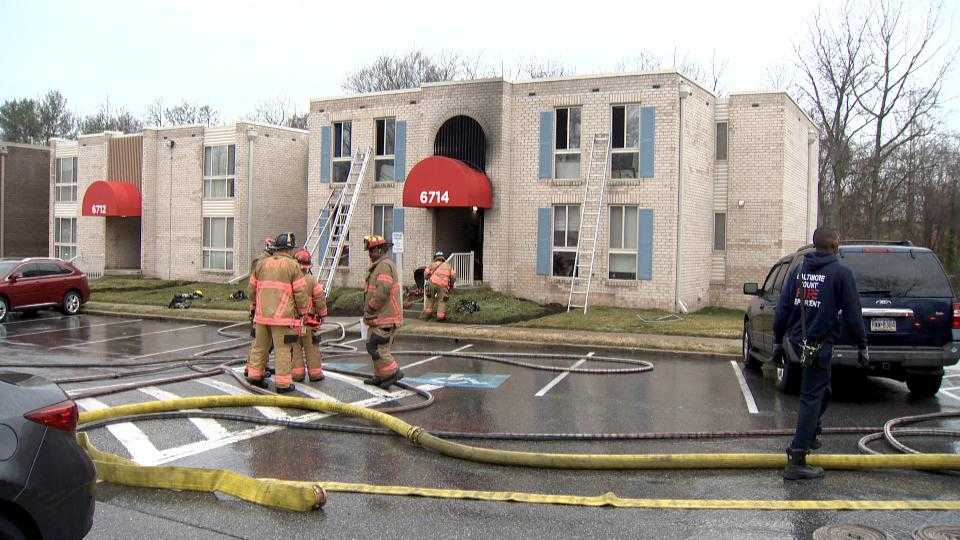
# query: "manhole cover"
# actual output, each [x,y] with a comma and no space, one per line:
[938,532]
[848,531]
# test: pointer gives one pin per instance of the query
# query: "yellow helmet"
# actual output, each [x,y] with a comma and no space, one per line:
[374,240]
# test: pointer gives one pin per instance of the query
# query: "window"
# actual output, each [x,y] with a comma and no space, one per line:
[337,230]
[625,142]
[219,171]
[623,242]
[719,231]
[383,221]
[66,180]
[771,287]
[567,146]
[65,238]
[341,150]
[218,243]
[566,232]
[383,162]
[898,273]
[721,140]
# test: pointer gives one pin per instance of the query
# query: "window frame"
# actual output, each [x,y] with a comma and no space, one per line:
[228,180]
[567,247]
[625,150]
[723,244]
[623,250]
[726,141]
[380,130]
[58,244]
[60,185]
[386,214]
[557,152]
[207,247]
[342,158]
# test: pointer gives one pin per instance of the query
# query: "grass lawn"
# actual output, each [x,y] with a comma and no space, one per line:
[709,322]
[155,292]
[495,307]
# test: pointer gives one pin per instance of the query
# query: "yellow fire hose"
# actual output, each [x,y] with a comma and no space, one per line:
[304,496]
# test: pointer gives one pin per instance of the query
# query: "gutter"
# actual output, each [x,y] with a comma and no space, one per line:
[251,138]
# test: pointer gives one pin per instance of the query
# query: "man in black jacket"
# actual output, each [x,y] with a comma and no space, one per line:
[814,302]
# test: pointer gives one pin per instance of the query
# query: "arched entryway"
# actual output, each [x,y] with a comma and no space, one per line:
[461,137]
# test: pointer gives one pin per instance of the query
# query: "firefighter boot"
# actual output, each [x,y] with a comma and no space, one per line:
[285,389]
[797,468]
[384,382]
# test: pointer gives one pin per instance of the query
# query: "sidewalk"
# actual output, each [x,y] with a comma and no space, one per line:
[702,346]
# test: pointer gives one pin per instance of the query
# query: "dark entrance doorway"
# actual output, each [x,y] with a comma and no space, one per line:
[461,137]
[460,230]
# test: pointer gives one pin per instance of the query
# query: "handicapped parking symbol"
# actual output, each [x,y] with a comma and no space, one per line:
[461,380]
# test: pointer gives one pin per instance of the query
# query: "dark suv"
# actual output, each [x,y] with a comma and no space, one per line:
[911,315]
[35,283]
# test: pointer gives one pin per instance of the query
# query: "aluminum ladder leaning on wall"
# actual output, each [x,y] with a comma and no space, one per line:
[591,212]
[329,233]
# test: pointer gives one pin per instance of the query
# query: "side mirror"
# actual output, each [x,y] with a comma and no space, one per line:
[13,278]
[751,289]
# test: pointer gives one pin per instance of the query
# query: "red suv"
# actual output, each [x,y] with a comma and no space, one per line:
[31,284]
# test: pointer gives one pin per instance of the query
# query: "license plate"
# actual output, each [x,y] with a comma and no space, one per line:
[883,325]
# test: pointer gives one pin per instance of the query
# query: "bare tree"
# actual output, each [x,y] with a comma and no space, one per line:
[411,70]
[184,113]
[641,62]
[108,119]
[279,111]
[901,89]
[154,116]
[709,75]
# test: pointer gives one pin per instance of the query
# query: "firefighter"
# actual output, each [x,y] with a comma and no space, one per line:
[267,251]
[440,277]
[382,311]
[280,302]
[309,342]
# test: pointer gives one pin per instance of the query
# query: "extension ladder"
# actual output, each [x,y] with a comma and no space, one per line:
[329,234]
[591,213]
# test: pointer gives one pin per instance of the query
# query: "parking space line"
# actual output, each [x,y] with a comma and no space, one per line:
[130,436]
[744,388]
[951,394]
[209,427]
[121,338]
[227,388]
[556,380]
[351,341]
[181,349]
[432,358]
[37,320]
[131,321]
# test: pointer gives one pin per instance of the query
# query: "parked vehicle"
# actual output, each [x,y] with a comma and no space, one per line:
[36,283]
[46,479]
[912,316]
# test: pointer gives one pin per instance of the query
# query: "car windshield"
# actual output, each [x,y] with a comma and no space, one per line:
[6,267]
[898,274]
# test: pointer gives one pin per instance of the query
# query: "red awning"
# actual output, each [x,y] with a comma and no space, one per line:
[106,198]
[442,182]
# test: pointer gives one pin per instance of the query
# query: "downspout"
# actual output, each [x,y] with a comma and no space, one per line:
[3,197]
[251,138]
[170,144]
[678,304]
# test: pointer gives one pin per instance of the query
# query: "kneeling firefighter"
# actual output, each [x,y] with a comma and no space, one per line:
[309,341]
[441,277]
[382,311]
[280,302]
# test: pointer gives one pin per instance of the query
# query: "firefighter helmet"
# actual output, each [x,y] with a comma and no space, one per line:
[285,241]
[374,241]
[303,257]
[438,255]
[267,243]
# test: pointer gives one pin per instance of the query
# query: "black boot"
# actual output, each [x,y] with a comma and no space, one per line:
[384,382]
[816,444]
[285,389]
[259,383]
[797,468]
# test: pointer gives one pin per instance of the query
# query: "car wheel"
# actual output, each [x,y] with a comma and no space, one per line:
[924,385]
[749,361]
[9,529]
[71,303]
[4,309]
[788,377]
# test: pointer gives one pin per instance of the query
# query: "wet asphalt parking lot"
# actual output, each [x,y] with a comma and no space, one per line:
[680,394]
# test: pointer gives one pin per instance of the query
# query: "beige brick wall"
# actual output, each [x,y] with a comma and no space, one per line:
[766,166]
[91,167]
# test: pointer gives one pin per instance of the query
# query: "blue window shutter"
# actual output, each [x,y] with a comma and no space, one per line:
[325,154]
[544,240]
[648,128]
[397,220]
[400,154]
[645,244]
[546,144]
[324,240]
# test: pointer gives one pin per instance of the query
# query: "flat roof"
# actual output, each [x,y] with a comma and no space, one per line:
[24,145]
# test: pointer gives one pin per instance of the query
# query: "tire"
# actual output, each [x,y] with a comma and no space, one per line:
[4,309]
[924,385]
[749,361]
[10,530]
[71,303]
[789,376]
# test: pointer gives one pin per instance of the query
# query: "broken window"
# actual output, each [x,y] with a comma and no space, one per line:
[566,234]
[567,147]
[342,132]
[386,140]
[625,142]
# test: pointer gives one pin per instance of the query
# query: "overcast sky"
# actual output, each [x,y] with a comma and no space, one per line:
[235,54]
